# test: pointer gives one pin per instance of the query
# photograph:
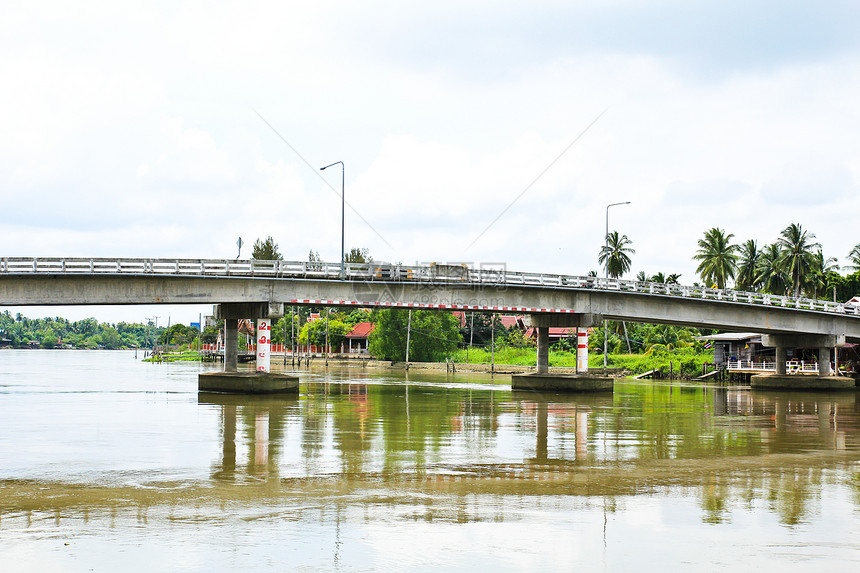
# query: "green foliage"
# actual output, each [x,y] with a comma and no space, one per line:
[770,277]
[796,257]
[671,279]
[686,361]
[283,332]
[356,255]
[210,333]
[748,267]
[355,316]
[178,334]
[49,339]
[434,335]
[266,250]
[110,338]
[717,258]
[315,332]
[854,259]
[614,255]
[478,328]
[822,275]
[61,333]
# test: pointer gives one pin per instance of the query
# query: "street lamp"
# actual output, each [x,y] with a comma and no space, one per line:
[606,274]
[342,210]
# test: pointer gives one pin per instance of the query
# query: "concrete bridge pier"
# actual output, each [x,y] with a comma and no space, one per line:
[231,345]
[824,361]
[582,350]
[781,357]
[542,379]
[822,381]
[231,380]
[542,349]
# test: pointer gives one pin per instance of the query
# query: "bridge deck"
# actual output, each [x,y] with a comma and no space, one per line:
[69,281]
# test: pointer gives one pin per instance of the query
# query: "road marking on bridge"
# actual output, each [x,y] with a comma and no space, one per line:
[421,305]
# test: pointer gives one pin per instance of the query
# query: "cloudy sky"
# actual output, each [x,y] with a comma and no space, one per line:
[137,129]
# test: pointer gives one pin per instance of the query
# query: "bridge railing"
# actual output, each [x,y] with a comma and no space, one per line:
[437,274]
[791,366]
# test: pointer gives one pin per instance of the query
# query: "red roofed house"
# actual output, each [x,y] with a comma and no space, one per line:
[357,337]
[506,320]
[555,333]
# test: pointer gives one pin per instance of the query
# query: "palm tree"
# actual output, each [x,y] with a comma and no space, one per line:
[658,278]
[614,255]
[717,256]
[748,266]
[821,273]
[769,276]
[854,257]
[673,279]
[796,254]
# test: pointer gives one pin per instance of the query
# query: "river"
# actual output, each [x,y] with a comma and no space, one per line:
[108,464]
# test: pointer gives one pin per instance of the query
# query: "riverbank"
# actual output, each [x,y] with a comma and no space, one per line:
[679,363]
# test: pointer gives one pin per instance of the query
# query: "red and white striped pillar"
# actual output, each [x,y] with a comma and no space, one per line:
[582,350]
[264,329]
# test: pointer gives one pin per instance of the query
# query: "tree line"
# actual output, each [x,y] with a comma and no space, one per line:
[18,331]
[793,264]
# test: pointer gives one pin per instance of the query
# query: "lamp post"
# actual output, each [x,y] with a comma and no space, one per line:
[342,210]
[606,274]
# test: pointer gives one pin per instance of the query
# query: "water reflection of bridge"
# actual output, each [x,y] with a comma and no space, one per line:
[742,424]
[344,443]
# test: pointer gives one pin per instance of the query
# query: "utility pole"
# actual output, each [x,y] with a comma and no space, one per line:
[492,344]
[408,333]
[148,331]
[155,338]
[471,336]
[606,274]
[326,336]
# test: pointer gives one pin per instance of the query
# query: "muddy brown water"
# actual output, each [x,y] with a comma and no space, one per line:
[108,463]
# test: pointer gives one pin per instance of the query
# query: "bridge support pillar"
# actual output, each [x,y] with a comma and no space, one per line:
[824,361]
[542,349]
[543,322]
[233,381]
[543,380]
[582,350]
[231,345]
[823,342]
[781,357]
[820,381]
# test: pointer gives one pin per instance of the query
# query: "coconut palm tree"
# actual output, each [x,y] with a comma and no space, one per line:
[717,256]
[854,258]
[614,254]
[821,273]
[748,266]
[769,276]
[797,254]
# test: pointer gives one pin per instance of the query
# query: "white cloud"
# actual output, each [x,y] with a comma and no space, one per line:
[133,133]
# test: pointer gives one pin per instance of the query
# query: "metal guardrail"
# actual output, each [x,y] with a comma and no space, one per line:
[750,365]
[791,366]
[441,274]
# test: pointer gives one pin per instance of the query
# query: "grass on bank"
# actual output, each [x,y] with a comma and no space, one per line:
[185,356]
[682,360]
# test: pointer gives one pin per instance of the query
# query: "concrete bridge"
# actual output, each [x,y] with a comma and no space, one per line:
[250,288]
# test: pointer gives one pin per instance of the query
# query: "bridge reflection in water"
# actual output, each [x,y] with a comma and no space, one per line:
[726,444]
[360,454]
